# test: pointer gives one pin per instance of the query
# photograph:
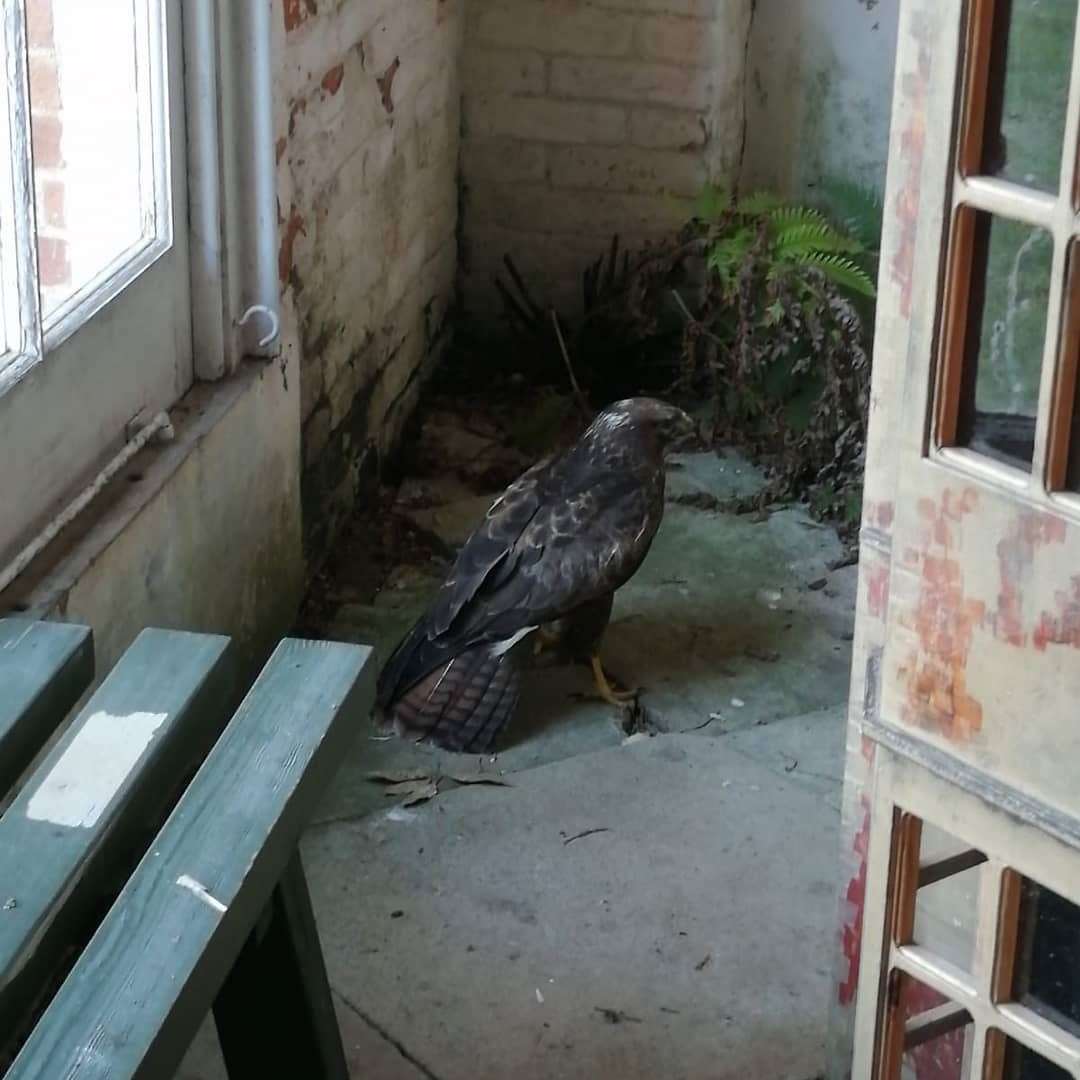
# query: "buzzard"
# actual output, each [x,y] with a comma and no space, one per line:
[547,557]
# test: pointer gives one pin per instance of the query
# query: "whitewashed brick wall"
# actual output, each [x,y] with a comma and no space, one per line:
[368,105]
[583,118]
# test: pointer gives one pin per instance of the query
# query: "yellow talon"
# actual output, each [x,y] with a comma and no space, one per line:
[604,688]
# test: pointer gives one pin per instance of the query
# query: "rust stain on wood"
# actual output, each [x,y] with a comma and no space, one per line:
[386,84]
[297,12]
[913,143]
[1060,627]
[1016,556]
[294,225]
[944,620]
[332,80]
[945,617]
[855,899]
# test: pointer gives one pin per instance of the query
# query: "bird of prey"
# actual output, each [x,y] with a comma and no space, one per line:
[547,558]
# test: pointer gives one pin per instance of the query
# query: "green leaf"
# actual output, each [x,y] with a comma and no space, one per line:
[774,313]
[809,236]
[840,270]
[759,202]
[860,208]
[713,203]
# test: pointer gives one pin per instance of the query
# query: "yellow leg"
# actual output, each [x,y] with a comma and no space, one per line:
[604,688]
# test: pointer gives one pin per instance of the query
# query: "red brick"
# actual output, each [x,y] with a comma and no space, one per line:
[53,265]
[39,23]
[52,203]
[44,81]
[46,131]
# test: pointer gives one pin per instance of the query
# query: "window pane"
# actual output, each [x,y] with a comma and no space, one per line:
[946,903]
[1047,978]
[1029,84]
[936,1035]
[1009,291]
[90,125]
[1069,407]
[1024,1064]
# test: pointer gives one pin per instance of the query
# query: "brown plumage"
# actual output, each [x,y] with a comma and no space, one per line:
[549,554]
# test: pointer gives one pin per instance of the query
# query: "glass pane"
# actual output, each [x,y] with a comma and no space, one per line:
[937,1035]
[1071,362]
[1029,86]
[1009,291]
[946,904]
[1047,978]
[1024,1064]
[90,120]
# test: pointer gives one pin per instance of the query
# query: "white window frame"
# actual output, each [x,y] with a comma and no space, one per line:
[220,134]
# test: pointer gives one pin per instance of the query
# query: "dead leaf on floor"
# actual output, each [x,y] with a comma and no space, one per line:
[581,835]
[414,791]
[616,1016]
[418,785]
[398,776]
[495,779]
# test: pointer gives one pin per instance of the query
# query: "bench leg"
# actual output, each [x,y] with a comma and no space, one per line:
[274,1013]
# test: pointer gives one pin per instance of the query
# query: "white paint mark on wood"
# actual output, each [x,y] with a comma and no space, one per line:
[92,768]
[196,887]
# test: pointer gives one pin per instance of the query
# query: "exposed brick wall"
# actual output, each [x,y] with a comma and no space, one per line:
[47,128]
[367,161]
[588,117]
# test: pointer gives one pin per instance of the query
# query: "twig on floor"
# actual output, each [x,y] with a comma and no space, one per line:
[582,835]
[579,397]
[704,962]
[616,1016]
[699,727]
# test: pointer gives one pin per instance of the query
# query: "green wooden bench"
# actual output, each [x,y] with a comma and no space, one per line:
[162,887]
[44,668]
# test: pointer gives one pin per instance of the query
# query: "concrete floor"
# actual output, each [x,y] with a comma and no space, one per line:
[689,933]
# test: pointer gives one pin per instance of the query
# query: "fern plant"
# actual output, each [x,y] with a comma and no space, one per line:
[784,237]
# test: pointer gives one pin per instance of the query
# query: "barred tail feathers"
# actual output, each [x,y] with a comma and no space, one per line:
[463,704]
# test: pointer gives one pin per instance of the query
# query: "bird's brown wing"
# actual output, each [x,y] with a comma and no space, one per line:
[556,539]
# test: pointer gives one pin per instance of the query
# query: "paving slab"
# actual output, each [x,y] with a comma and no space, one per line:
[684,933]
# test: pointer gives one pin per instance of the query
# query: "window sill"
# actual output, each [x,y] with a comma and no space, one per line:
[41,590]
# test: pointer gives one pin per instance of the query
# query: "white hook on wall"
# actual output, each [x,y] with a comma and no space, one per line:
[271,314]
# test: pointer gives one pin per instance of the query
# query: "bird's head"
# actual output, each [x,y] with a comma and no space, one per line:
[663,425]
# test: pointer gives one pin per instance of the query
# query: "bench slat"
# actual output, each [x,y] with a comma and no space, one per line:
[44,669]
[138,993]
[86,814]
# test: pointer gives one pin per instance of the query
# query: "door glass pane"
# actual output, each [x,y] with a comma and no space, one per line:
[91,117]
[1047,978]
[937,1035]
[1024,1064]
[1071,364]
[946,903]
[1029,84]
[1009,291]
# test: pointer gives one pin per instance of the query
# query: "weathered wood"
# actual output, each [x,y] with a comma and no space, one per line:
[141,988]
[44,669]
[930,873]
[274,1014]
[934,1023]
[85,815]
